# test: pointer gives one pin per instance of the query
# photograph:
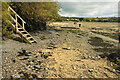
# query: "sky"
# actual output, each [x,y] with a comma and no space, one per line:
[89,8]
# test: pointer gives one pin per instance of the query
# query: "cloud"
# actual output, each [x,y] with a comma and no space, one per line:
[79,9]
[88,0]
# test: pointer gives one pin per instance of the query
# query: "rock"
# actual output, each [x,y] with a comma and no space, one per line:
[38,54]
[80,60]
[111,64]
[30,57]
[37,66]
[52,43]
[43,37]
[106,74]
[27,67]
[73,67]
[83,66]
[21,75]
[83,57]
[79,36]
[46,74]
[24,53]
[26,75]
[60,69]
[89,57]
[60,75]
[53,69]
[39,76]
[90,70]
[34,76]
[61,64]
[93,58]
[54,46]
[14,61]
[31,62]
[67,48]
[114,70]
[17,76]
[118,71]
[98,57]
[45,56]
[109,69]
[39,62]
[49,47]
[71,59]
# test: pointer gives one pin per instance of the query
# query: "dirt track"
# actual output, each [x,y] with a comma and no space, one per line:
[72,54]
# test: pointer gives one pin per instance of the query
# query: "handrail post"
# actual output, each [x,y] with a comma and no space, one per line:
[8,9]
[16,23]
[23,25]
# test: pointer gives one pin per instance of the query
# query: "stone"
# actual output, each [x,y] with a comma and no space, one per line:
[17,76]
[31,62]
[46,74]
[98,57]
[38,54]
[55,46]
[14,61]
[106,74]
[77,35]
[30,57]
[37,66]
[43,37]
[21,74]
[118,71]
[114,70]
[49,47]
[111,64]
[89,57]
[90,70]
[39,76]
[67,48]
[53,69]
[27,67]
[73,67]
[83,57]
[34,76]
[93,58]
[45,56]
[60,69]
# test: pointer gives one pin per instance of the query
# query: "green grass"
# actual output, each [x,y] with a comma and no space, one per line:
[26,41]
[78,32]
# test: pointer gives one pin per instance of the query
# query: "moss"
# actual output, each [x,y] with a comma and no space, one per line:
[3,42]
[26,41]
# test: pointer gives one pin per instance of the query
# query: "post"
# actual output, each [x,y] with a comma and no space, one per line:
[22,38]
[23,25]
[8,9]
[16,23]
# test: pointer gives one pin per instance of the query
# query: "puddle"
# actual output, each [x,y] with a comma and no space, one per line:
[112,35]
[108,50]
[96,41]
[101,46]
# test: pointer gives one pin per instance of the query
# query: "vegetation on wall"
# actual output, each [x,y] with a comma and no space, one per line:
[6,32]
[37,13]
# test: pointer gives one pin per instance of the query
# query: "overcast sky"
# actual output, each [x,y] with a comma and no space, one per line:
[91,8]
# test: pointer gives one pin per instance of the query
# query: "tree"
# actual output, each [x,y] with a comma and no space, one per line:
[37,13]
[5,26]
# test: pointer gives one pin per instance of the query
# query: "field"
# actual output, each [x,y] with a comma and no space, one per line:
[65,53]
